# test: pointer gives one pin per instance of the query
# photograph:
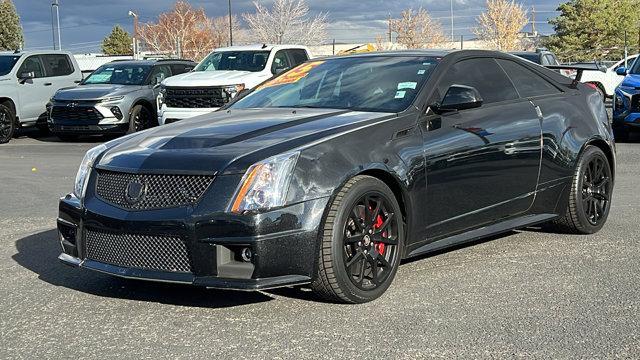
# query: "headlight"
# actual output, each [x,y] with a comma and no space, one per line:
[233,90]
[85,168]
[265,184]
[161,95]
[111,99]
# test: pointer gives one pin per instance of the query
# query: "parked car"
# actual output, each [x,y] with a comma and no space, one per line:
[606,82]
[542,57]
[626,102]
[27,81]
[119,97]
[333,172]
[221,76]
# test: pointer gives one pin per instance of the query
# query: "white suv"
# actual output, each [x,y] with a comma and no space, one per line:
[221,76]
[606,82]
[27,81]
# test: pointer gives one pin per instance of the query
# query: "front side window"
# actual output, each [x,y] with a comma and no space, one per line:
[159,73]
[7,62]
[57,65]
[380,83]
[33,65]
[526,81]
[253,61]
[485,75]
[121,74]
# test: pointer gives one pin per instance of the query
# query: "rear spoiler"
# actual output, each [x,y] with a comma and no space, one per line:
[578,68]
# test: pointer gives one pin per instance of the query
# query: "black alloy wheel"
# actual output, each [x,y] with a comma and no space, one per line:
[362,242]
[7,124]
[590,196]
[139,119]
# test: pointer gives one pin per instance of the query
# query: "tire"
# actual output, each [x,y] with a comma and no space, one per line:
[7,124]
[67,137]
[590,197]
[348,248]
[140,118]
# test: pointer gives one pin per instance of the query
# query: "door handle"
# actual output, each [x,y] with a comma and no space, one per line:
[48,84]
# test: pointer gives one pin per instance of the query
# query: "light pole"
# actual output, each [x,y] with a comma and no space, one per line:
[56,6]
[135,33]
[452,39]
[230,26]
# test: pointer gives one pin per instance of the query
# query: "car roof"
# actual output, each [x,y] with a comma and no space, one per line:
[38,52]
[428,52]
[152,62]
[257,47]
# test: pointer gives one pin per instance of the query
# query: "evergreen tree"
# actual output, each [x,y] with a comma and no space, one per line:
[118,42]
[10,29]
[594,29]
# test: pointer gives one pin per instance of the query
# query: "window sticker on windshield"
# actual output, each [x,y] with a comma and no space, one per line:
[400,94]
[421,71]
[291,76]
[407,85]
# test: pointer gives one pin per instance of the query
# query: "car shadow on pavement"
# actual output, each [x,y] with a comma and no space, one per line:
[39,253]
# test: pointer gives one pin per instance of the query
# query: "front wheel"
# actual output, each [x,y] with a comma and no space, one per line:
[140,118]
[590,197]
[362,243]
[7,124]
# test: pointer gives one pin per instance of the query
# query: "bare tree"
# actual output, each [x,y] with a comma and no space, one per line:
[500,24]
[417,29]
[186,31]
[288,21]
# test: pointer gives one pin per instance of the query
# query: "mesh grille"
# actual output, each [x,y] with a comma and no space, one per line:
[161,191]
[162,253]
[209,97]
[79,113]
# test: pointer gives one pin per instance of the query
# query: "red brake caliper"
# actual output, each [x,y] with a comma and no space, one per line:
[378,223]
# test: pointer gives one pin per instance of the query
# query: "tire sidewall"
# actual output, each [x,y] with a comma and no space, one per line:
[348,202]
[589,154]
[12,119]
[135,111]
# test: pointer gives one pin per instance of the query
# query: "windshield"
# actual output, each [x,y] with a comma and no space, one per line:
[121,74]
[7,62]
[634,65]
[380,83]
[253,61]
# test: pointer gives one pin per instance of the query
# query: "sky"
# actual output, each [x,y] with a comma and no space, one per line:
[84,23]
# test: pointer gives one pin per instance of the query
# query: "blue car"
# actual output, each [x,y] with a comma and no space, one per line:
[626,102]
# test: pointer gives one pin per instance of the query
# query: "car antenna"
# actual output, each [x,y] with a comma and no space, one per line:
[264,46]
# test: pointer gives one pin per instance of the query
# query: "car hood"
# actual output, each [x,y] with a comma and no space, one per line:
[94,91]
[210,78]
[228,141]
[631,80]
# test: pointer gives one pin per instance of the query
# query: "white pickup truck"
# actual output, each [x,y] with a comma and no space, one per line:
[221,76]
[606,82]
[27,81]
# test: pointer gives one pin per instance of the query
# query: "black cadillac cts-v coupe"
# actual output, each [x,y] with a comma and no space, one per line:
[333,172]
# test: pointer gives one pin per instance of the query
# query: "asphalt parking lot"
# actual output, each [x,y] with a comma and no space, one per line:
[524,294]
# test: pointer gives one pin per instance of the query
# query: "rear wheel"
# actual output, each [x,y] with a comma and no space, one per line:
[7,124]
[590,197]
[139,119]
[362,243]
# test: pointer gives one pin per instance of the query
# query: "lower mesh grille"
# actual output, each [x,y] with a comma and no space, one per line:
[162,253]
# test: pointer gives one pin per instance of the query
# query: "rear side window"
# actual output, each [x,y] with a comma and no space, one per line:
[485,75]
[57,65]
[527,82]
[299,56]
[33,65]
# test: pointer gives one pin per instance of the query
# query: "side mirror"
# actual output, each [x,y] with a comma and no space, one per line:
[27,76]
[622,71]
[158,80]
[460,97]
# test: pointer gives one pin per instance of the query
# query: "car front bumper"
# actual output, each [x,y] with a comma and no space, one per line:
[102,121]
[283,243]
[168,115]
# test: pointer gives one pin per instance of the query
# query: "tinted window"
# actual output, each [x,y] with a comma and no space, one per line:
[177,69]
[280,62]
[299,56]
[159,73]
[119,73]
[235,60]
[57,65]
[485,75]
[32,64]
[550,60]
[380,83]
[526,81]
[7,62]
[534,57]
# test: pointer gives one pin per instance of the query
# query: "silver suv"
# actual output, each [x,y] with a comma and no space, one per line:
[27,82]
[119,97]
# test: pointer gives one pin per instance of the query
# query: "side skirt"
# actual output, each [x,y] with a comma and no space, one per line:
[482,232]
